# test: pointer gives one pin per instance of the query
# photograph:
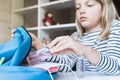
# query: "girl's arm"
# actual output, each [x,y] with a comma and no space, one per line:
[36,42]
[109,63]
[67,61]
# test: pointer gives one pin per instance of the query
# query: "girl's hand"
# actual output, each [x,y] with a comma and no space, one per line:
[66,51]
[66,43]
[12,33]
[36,42]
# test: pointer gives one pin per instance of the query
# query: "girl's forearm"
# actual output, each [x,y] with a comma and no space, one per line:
[37,44]
[92,55]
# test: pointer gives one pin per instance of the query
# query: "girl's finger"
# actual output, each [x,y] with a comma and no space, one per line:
[61,48]
[12,33]
[55,41]
[60,44]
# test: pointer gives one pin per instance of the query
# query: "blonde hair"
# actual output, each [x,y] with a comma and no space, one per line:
[108,15]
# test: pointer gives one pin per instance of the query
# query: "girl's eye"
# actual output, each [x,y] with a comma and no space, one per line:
[90,5]
[77,8]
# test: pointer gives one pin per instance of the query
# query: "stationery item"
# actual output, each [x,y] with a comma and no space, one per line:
[2,60]
[38,56]
[52,67]
[80,67]
[45,41]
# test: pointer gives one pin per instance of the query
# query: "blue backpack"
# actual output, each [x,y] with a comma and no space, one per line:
[14,52]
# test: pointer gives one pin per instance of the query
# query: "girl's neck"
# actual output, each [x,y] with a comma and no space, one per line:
[92,29]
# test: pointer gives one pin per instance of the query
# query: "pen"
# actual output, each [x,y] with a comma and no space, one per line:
[2,60]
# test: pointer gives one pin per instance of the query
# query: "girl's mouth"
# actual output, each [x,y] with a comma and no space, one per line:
[83,19]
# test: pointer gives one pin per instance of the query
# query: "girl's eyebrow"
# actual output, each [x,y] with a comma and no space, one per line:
[85,2]
[78,4]
[90,1]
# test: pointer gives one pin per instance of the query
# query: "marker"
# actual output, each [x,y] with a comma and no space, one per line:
[2,60]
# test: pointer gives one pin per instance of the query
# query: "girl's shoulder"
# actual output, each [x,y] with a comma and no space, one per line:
[115,24]
[115,28]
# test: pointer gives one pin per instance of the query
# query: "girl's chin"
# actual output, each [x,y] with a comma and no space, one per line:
[85,24]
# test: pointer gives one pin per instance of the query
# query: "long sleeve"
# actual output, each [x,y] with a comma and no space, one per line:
[109,50]
[110,61]
[68,61]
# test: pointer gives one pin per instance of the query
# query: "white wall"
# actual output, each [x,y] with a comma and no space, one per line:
[5,18]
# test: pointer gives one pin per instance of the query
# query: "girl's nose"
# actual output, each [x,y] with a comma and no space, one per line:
[82,10]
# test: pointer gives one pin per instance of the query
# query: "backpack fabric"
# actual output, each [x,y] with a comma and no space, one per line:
[16,49]
[14,52]
[23,73]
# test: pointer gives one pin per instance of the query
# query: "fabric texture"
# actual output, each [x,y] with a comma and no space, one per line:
[39,56]
[23,73]
[16,49]
[109,50]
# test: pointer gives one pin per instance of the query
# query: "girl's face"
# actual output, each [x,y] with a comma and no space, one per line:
[89,13]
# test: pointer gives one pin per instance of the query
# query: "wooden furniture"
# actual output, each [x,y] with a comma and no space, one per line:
[30,14]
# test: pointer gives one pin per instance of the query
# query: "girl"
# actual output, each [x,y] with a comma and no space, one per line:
[97,38]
